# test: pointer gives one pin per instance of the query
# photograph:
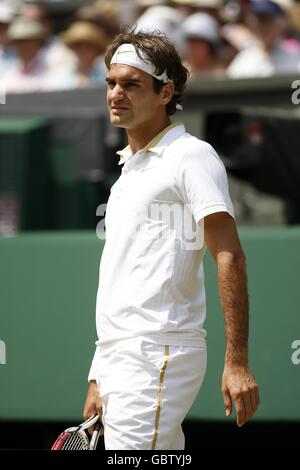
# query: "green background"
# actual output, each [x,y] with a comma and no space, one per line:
[48,285]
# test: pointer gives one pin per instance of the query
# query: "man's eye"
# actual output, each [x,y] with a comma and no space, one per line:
[130,84]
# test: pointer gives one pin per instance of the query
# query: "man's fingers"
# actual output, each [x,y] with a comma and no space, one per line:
[240,387]
[227,402]
[254,400]
[248,409]
[240,411]
[246,405]
[93,404]
[90,430]
[99,409]
[257,396]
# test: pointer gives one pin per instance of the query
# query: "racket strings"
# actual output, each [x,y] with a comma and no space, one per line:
[76,441]
[75,438]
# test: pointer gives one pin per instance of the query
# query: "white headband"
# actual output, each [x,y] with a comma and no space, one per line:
[126,54]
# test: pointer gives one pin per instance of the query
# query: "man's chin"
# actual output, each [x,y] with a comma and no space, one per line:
[119,122]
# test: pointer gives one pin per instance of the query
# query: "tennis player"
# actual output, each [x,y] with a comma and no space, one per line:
[170,203]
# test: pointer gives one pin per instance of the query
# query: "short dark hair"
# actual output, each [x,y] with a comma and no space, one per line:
[158,49]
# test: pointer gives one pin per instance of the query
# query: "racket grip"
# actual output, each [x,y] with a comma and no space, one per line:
[95,435]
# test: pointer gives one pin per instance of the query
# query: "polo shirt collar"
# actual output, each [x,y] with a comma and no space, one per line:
[157,144]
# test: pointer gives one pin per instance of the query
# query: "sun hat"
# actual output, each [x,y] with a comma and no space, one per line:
[85,32]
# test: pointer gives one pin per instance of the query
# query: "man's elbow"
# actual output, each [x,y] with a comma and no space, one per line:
[234,256]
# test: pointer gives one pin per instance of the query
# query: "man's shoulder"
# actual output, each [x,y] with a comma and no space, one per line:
[187,143]
[188,152]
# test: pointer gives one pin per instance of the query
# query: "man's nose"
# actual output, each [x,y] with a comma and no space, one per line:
[117,92]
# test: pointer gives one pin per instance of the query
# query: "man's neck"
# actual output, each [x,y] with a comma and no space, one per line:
[139,138]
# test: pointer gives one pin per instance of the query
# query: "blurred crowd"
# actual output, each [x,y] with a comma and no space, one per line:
[59,45]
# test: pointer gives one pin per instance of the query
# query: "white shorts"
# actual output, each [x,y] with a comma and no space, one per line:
[147,390]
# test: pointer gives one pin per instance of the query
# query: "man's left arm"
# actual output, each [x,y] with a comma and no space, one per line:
[238,383]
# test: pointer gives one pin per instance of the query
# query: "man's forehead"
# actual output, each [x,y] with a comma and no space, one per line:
[123,72]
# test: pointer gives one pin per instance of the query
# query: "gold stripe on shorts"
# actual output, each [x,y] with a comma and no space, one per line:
[159,396]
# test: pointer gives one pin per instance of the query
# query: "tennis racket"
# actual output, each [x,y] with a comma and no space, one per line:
[75,438]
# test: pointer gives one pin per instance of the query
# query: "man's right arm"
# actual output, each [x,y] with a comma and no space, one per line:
[238,383]
[93,404]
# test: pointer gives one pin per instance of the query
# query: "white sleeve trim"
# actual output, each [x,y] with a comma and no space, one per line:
[93,373]
[214,208]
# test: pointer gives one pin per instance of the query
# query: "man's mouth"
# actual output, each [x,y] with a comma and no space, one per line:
[118,108]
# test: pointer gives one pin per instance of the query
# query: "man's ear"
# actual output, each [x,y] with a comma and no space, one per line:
[167,93]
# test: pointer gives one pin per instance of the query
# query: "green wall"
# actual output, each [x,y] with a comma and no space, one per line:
[48,285]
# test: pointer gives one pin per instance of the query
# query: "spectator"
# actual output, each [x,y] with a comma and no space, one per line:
[271,55]
[7,55]
[29,72]
[56,53]
[293,12]
[88,42]
[235,11]
[202,36]
[142,5]
[110,9]
[235,38]
[93,14]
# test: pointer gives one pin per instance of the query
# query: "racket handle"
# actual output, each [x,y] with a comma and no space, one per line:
[95,435]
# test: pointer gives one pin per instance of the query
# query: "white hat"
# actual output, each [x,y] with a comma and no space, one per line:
[149,3]
[6,13]
[202,26]
[160,12]
[286,4]
[165,19]
[216,4]
[25,28]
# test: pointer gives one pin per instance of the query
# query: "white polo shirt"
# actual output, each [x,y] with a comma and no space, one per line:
[151,281]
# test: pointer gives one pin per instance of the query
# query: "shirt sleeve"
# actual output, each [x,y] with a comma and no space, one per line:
[94,370]
[203,181]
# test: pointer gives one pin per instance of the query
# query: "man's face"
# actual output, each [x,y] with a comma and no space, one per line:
[27,49]
[86,53]
[131,99]
[198,53]
[3,31]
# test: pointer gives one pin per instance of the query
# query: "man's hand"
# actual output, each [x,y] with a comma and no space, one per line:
[239,385]
[93,404]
